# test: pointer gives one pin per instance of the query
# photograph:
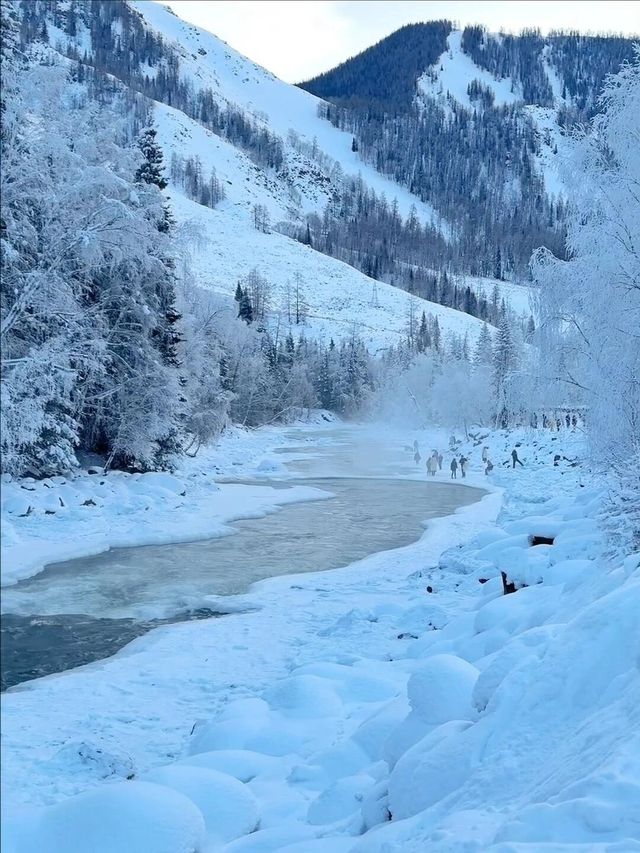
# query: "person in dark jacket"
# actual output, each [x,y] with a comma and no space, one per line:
[514,458]
[454,468]
[463,466]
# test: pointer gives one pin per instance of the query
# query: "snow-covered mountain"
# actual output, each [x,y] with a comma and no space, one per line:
[455,78]
[182,69]
[473,123]
[316,153]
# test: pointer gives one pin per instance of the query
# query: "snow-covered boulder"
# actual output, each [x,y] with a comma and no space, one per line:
[375,805]
[340,799]
[512,614]
[91,761]
[373,732]
[228,807]
[136,817]
[304,696]
[242,764]
[518,652]
[431,769]
[441,689]
[235,725]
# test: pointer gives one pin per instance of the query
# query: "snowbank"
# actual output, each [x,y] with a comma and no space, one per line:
[88,512]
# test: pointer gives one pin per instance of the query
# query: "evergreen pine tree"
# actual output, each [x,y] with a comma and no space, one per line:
[530,330]
[245,311]
[504,362]
[497,272]
[151,170]
[436,337]
[423,334]
[151,173]
[484,347]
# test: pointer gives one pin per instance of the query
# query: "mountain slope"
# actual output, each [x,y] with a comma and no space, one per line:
[475,131]
[209,62]
[189,75]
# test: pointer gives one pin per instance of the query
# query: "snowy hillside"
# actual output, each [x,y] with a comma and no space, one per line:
[316,156]
[455,71]
[450,79]
[209,61]
[341,300]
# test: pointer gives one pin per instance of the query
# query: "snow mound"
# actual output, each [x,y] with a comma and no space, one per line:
[228,807]
[136,817]
[441,689]
[235,725]
[341,799]
[242,764]
[304,696]
[431,769]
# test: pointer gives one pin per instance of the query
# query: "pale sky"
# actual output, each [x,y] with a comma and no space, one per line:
[297,39]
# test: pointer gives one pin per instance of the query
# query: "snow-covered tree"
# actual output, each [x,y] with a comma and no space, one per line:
[151,168]
[484,347]
[87,285]
[590,303]
[504,364]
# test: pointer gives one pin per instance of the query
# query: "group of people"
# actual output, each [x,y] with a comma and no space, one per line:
[461,464]
[434,463]
[555,421]
[435,460]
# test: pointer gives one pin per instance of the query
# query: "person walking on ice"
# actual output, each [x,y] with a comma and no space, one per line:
[515,458]
[440,461]
[463,466]
[454,468]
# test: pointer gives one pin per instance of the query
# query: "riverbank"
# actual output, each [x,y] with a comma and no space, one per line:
[62,518]
[392,688]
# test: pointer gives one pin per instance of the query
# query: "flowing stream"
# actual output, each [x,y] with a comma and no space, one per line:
[82,610]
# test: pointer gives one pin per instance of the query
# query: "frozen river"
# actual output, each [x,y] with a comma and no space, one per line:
[371,498]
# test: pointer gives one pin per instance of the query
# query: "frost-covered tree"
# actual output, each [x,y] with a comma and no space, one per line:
[590,303]
[203,360]
[461,395]
[504,363]
[260,216]
[484,347]
[86,285]
[151,168]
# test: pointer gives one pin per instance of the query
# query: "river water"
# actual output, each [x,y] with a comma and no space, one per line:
[82,610]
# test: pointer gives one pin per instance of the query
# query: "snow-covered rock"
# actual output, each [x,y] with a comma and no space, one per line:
[441,690]
[138,817]
[228,807]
